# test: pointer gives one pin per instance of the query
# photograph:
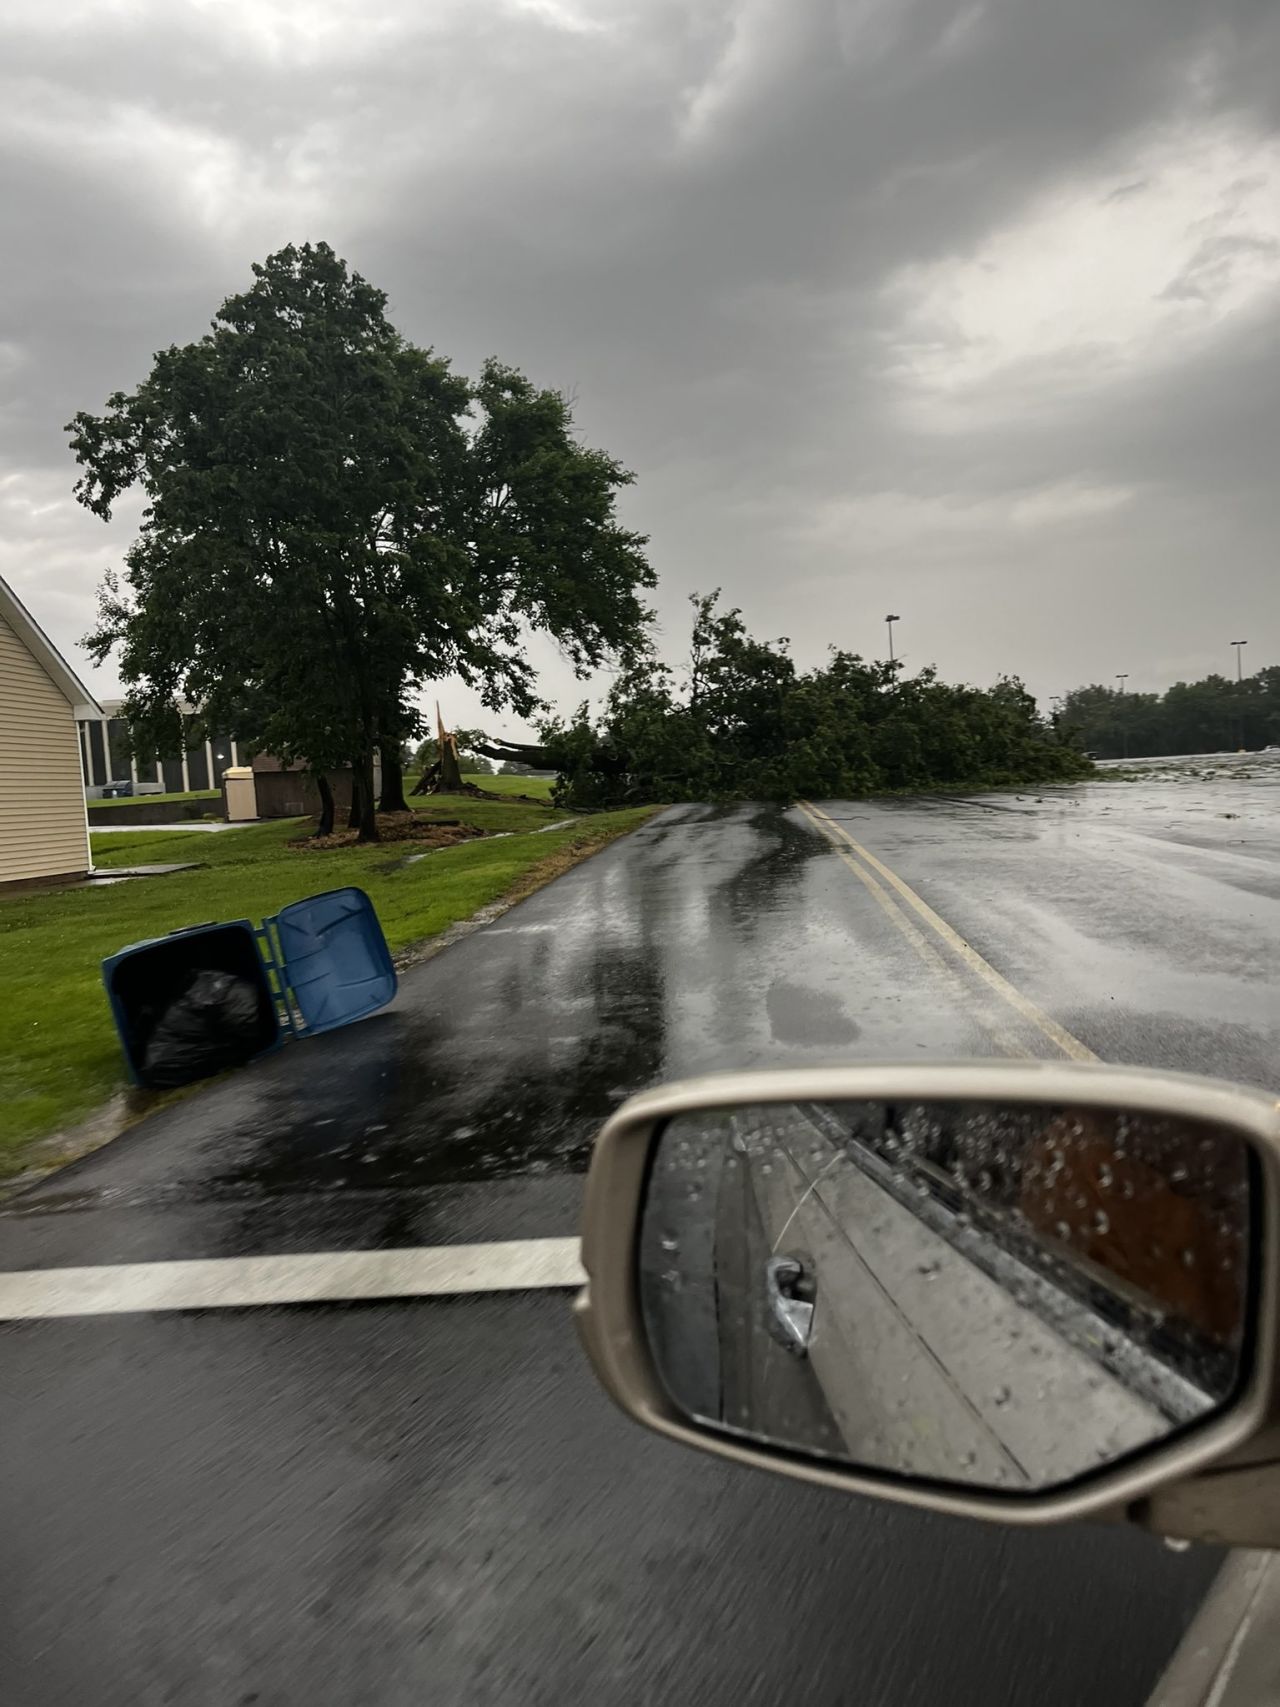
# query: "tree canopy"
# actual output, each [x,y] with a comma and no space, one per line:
[745,723]
[335,518]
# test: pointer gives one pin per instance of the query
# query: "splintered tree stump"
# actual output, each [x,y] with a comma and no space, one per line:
[449,780]
[444,774]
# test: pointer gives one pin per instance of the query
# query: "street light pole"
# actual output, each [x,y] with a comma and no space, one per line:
[889,622]
[1122,676]
[1239,646]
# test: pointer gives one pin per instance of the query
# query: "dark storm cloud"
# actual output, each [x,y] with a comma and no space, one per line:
[966,311]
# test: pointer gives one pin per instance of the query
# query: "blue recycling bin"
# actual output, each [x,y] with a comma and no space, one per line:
[315,965]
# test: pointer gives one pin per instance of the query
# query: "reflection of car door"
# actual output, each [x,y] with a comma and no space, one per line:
[893,1402]
[911,1340]
[766,1388]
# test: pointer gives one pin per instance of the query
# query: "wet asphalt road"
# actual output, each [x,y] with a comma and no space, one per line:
[394,1503]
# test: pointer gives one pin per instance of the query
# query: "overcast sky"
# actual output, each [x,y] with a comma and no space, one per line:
[962,311]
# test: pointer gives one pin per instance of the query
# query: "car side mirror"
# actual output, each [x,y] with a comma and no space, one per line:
[1023,1291]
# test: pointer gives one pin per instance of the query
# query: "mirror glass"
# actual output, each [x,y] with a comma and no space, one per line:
[1003,1296]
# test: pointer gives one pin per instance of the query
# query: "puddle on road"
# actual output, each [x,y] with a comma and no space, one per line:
[808,1017]
[413,1100]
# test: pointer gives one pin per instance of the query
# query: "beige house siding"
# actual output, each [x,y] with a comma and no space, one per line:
[42,815]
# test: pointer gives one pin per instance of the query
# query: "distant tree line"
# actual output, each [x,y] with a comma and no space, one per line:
[746,723]
[1213,715]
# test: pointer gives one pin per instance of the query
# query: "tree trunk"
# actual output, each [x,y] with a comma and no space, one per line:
[393,799]
[357,782]
[368,818]
[324,826]
[604,759]
[520,751]
[450,772]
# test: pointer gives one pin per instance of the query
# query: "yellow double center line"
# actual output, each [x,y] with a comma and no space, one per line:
[868,869]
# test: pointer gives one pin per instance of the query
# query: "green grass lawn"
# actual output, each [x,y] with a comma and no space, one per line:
[133,799]
[538,786]
[490,814]
[59,1054]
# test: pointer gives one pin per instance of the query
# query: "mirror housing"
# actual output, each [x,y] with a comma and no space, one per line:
[1203,1483]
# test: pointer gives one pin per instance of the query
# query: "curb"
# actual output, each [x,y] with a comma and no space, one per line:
[1230,1654]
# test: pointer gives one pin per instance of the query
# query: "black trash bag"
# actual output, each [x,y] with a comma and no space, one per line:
[215,1023]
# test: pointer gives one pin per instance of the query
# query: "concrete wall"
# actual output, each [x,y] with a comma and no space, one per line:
[42,817]
[144,811]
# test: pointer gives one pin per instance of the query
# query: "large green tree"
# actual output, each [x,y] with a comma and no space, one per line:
[335,518]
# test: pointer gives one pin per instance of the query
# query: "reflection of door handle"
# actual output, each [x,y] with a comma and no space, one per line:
[791,1296]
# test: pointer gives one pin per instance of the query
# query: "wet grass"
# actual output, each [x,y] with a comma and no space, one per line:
[490,814]
[59,1055]
[539,786]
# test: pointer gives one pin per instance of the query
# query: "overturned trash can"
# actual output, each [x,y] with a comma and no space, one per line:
[216,995]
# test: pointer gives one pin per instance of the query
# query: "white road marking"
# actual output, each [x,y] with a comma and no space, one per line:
[233,1283]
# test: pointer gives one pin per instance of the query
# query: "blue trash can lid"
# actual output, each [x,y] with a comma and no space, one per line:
[335,958]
